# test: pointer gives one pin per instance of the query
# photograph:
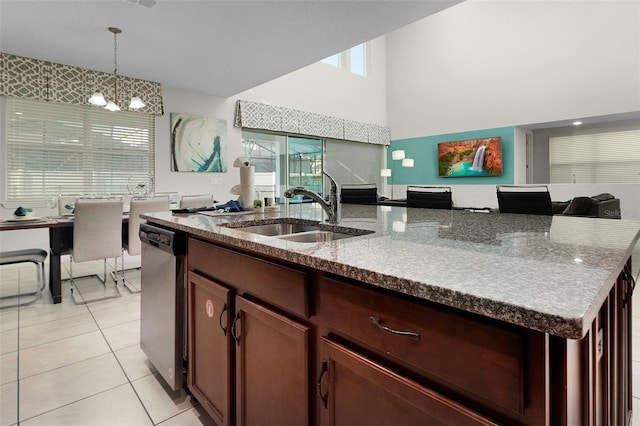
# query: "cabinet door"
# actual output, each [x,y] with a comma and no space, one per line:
[353,390]
[272,367]
[209,344]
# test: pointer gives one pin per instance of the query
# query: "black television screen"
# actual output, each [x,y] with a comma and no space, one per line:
[470,158]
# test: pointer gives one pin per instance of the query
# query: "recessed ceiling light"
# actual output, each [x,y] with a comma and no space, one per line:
[577,123]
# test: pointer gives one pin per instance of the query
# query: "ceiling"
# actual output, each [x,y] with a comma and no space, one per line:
[213,47]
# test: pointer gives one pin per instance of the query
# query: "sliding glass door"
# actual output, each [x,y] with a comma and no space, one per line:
[284,161]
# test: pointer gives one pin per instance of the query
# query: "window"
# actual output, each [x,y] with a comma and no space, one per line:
[54,149]
[607,157]
[283,161]
[353,60]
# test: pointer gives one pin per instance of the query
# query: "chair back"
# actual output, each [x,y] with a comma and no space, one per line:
[359,193]
[430,197]
[174,198]
[138,206]
[530,199]
[97,229]
[188,201]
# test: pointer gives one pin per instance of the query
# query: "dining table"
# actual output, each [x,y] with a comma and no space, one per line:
[60,243]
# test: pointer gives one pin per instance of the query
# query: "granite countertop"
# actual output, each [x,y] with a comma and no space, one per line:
[548,273]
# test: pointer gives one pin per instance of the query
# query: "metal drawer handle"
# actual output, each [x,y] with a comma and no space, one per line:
[323,370]
[234,333]
[409,334]
[224,329]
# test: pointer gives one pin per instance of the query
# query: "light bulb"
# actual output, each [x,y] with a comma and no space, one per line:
[136,103]
[97,99]
[111,106]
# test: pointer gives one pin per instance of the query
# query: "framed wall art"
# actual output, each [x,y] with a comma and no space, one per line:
[197,143]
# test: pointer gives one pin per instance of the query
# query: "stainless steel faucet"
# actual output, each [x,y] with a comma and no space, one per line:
[331,207]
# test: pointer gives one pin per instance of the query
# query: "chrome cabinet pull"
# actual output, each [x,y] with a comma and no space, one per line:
[410,334]
[224,329]
[323,370]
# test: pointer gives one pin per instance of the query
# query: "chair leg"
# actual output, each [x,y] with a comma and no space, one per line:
[79,298]
[36,294]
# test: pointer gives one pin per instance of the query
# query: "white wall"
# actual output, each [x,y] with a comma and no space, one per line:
[484,64]
[318,88]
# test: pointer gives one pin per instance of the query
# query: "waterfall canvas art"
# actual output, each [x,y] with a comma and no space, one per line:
[197,143]
[471,157]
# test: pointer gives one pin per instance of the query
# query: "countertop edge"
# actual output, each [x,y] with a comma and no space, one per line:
[570,328]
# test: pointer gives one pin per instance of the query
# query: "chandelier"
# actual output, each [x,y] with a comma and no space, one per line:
[98,98]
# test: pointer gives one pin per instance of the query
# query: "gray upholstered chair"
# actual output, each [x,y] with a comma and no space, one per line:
[131,241]
[189,201]
[97,235]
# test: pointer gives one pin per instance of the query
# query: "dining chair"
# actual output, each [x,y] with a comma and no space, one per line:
[131,240]
[359,193]
[174,197]
[431,197]
[188,201]
[529,199]
[97,235]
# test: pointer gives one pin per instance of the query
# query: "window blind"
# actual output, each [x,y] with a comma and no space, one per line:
[54,149]
[608,157]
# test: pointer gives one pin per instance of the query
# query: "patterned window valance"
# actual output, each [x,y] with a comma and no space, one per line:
[22,77]
[255,115]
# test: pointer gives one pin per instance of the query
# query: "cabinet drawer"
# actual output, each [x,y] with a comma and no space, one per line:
[359,391]
[276,284]
[482,361]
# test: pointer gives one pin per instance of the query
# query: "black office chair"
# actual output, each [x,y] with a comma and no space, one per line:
[359,193]
[430,197]
[530,199]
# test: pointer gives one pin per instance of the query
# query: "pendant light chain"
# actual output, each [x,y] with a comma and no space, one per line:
[115,32]
[98,98]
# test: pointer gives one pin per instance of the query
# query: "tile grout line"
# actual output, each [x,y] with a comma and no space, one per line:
[18,360]
[133,388]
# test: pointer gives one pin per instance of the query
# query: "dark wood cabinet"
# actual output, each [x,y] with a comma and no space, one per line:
[249,359]
[272,367]
[209,340]
[278,344]
[355,390]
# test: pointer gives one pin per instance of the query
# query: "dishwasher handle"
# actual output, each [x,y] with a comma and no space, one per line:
[164,239]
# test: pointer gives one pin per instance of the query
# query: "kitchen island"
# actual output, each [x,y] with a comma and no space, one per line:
[449,317]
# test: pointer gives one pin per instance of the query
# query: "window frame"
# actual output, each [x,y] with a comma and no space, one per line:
[79,149]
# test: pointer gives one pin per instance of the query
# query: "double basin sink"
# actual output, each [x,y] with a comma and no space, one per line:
[291,230]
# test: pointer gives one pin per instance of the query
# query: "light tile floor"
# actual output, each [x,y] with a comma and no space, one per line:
[68,364]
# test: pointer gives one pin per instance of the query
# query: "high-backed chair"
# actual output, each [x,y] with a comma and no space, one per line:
[359,193]
[131,241]
[529,199]
[174,198]
[97,235]
[431,197]
[189,201]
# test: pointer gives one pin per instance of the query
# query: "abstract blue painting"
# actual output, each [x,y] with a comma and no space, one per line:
[197,143]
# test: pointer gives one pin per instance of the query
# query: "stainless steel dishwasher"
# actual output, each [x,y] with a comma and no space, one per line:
[162,299]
